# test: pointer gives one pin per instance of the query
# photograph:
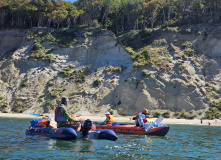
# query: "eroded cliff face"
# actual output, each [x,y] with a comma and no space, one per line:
[96,73]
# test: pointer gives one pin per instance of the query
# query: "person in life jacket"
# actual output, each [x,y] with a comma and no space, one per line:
[61,115]
[109,118]
[140,118]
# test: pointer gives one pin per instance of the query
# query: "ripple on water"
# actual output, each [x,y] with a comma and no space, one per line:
[183,142]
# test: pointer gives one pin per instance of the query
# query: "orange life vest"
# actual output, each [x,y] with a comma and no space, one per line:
[110,120]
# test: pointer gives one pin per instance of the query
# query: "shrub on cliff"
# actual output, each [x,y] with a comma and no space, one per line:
[212,113]
[217,104]
[166,114]
[157,114]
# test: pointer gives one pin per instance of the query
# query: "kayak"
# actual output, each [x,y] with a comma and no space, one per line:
[133,129]
[88,131]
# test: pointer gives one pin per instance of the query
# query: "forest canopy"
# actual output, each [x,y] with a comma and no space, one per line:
[115,15]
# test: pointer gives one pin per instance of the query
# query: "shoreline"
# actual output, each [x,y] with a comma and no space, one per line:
[215,122]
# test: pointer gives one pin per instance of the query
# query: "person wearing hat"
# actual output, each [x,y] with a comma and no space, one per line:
[140,118]
[109,118]
[61,115]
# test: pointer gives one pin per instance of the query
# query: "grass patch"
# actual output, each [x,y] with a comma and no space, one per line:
[157,57]
[66,71]
[189,52]
[61,38]
[130,50]
[80,74]
[172,29]
[55,92]
[114,69]
[186,44]
[39,52]
[50,83]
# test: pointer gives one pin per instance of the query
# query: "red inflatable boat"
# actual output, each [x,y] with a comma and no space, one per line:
[133,129]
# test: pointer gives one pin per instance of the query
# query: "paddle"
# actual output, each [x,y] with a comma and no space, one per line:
[36,114]
[72,115]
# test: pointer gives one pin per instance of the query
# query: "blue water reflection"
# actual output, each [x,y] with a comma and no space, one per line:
[183,142]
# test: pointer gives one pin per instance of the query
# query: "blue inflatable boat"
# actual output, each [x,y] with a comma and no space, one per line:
[61,133]
[70,133]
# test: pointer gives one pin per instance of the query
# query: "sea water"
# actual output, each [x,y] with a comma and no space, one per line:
[183,142]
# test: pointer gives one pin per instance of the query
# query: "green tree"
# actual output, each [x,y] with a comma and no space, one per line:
[91,8]
[17,9]
[49,7]
[4,5]
[59,14]
[162,5]
[74,14]
[150,10]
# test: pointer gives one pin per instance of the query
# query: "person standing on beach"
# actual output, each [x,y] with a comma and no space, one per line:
[61,115]
[201,121]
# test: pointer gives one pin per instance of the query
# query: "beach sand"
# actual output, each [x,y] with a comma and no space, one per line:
[215,122]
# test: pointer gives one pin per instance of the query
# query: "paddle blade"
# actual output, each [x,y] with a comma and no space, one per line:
[36,114]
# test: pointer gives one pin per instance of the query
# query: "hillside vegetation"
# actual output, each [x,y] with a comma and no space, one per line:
[173,71]
[115,15]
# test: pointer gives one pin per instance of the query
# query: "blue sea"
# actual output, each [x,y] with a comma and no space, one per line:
[183,142]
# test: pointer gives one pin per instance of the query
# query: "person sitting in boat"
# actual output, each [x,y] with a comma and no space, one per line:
[62,117]
[140,119]
[109,118]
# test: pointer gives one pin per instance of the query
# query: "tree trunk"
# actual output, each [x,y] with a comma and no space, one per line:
[68,22]
[105,24]
[164,16]
[168,12]
[152,22]
[122,22]
[49,22]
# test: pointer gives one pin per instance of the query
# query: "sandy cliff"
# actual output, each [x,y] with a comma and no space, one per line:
[97,74]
